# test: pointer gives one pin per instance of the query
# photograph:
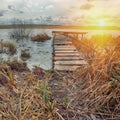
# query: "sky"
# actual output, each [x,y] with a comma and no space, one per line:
[61,12]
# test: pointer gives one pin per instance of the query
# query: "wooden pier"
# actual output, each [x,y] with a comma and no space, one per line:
[65,55]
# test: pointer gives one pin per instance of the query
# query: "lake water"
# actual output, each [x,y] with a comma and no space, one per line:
[41,52]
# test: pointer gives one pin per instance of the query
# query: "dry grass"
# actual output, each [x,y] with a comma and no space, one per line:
[99,89]
[27,99]
[98,83]
[40,37]
[25,55]
[91,92]
[8,47]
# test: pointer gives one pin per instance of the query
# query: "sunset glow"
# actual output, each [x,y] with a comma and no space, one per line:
[101,23]
[62,12]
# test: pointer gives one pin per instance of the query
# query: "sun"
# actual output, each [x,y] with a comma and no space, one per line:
[101,23]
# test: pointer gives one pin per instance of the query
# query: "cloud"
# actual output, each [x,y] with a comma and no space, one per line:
[2,12]
[86,6]
[97,0]
[49,7]
[60,11]
[11,7]
[49,19]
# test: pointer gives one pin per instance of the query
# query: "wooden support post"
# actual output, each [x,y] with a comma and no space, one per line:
[82,37]
[54,35]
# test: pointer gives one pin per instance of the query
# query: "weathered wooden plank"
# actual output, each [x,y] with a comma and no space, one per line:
[56,46]
[77,62]
[63,43]
[68,32]
[64,58]
[62,49]
[67,57]
[61,40]
[64,46]
[67,54]
[65,50]
[65,68]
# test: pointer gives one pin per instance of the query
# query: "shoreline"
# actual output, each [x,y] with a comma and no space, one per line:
[61,27]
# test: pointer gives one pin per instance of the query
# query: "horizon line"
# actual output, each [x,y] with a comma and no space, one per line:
[9,26]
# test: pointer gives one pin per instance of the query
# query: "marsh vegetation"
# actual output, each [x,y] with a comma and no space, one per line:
[41,37]
[91,92]
[20,31]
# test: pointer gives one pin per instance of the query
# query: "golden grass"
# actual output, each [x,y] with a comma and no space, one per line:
[99,82]
[90,92]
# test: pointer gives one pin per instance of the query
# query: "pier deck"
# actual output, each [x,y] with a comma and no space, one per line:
[65,55]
